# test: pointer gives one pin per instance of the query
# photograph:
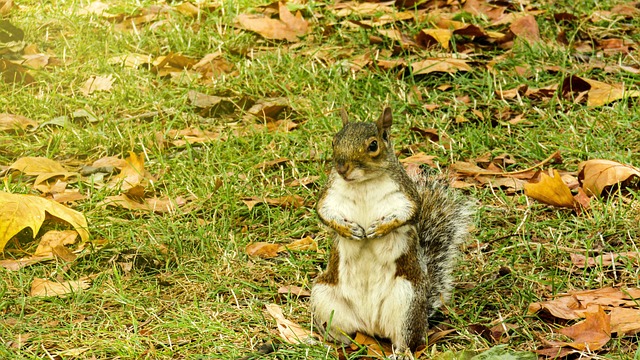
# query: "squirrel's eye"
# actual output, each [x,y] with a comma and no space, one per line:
[373,146]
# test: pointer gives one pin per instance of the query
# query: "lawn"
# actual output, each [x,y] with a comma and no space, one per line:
[187,133]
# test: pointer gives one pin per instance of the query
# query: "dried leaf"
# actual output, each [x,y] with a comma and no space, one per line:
[293,290]
[289,331]
[597,175]
[18,212]
[607,259]
[132,174]
[625,321]
[288,27]
[429,37]
[42,168]
[419,159]
[97,83]
[283,201]
[526,28]
[551,190]
[591,334]
[156,205]
[48,288]
[263,250]
[53,240]
[448,65]
[14,73]
[10,122]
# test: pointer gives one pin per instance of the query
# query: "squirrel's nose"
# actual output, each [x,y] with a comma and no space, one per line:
[343,168]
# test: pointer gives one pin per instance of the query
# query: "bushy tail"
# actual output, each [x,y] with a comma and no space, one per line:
[443,224]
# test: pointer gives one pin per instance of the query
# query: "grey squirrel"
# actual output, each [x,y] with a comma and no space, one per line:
[395,241]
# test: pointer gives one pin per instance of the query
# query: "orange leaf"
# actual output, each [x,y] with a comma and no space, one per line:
[592,333]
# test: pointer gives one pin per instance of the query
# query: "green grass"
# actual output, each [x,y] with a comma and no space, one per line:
[181,286]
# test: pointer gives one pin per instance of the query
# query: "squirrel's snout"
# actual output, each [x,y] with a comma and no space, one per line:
[343,168]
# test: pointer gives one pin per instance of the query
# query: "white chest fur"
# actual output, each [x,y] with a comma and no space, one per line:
[365,202]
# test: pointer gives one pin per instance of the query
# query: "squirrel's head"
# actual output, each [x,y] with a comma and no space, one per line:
[363,150]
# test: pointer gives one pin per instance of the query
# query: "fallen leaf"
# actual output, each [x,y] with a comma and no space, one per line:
[589,335]
[263,250]
[419,159]
[53,243]
[526,28]
[375,347]
[5,6]
[131,175]
[625,321]
[551,190]
[132,60]
[155,205]
[288,27]
[17,264]
[429,37]
[14,73]
[270,163]
[293,290]
[597,176]
[284,201]
[42,168]
[289,331]
[607,259]
[597,92]
[97,83]
[10,122]
[268,250]
[18,212]
[48,288]
[304,181]
[447,65]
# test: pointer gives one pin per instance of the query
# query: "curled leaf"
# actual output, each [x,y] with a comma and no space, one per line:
[597,175]
[19,211]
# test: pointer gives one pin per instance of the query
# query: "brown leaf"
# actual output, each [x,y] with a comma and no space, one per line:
[551,190]
[419,159]
[270,163]
[156,205]
[97,83]
[5,6]
[10,122]
[288,27]
[14,73]
[53,243]
[598,93]
[607,259]
[42,168]
[625,321]
[268,250]
[304,181]
[375,348]
[447,65]
[263,250]
[289,331]
[591,334]
[293,290]
[18,212]
[283,201]
[598,175]
[526,28]
[48,288]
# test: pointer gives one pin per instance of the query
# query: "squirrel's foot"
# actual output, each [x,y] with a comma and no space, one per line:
[382,226]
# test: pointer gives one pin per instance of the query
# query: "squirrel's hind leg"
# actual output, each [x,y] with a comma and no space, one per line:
[332,315]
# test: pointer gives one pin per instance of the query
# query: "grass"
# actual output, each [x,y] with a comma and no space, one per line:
[180,285]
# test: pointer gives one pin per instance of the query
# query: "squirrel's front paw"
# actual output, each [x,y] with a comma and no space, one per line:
[382,226]
[355,231]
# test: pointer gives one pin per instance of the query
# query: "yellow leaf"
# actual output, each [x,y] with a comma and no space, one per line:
[41,167]
[44,287]
[19,211]
[551,190]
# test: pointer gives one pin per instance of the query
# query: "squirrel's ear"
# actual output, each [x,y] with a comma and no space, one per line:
[385,120]
[344,116]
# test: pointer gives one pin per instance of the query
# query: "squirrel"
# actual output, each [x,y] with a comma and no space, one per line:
[395,241]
